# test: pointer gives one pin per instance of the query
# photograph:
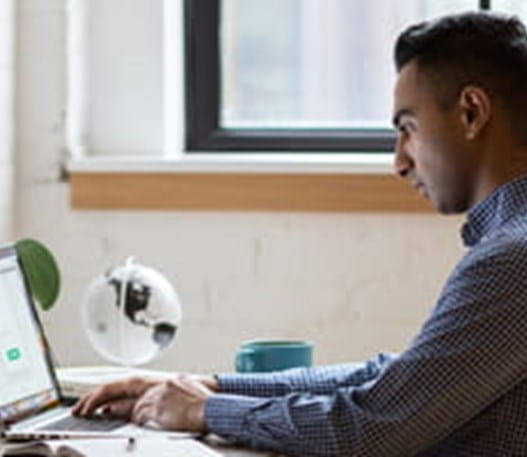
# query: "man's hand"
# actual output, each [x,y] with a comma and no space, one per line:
[178,404]
[117,399]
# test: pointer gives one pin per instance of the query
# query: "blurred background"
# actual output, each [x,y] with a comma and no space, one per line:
[90,79]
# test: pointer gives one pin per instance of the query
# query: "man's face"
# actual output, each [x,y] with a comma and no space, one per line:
[431,149]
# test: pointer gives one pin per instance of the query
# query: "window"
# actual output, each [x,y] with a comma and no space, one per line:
[296,75]
[260,75]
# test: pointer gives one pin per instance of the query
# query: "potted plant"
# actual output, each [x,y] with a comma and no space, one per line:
[41,270]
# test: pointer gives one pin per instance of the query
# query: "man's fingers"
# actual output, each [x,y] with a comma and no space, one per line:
[119,409]
[131,388]
[90,402]
[174,404]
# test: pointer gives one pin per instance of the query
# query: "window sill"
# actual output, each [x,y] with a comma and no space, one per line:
[259,182]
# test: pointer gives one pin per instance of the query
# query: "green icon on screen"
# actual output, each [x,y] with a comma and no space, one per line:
[13,354]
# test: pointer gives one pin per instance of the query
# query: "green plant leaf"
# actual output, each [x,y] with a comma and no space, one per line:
[41,271]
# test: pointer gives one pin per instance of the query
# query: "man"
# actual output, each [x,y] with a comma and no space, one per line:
[460,388]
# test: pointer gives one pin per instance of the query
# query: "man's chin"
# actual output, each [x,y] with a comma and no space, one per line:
[442,206]
[447,208]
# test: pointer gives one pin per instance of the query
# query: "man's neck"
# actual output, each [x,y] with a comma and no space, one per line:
[505,168]
[498,165]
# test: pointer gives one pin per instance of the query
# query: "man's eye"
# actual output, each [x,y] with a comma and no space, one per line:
[405,128]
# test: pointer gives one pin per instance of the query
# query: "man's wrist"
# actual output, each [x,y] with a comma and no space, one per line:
[209,381]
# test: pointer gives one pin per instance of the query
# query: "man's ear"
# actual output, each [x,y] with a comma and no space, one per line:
[475,107]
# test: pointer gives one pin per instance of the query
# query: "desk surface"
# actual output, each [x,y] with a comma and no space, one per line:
[76,381]
[230,451]
[226,451]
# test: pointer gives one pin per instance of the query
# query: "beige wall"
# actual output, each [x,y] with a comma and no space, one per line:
[353,283]
[6,119]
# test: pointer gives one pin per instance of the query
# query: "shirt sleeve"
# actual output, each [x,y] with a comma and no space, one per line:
[318,380]
[468,354]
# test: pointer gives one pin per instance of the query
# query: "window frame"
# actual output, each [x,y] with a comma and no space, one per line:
[203,131]
[203,101]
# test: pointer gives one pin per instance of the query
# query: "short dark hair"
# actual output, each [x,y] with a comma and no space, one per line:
[485,49]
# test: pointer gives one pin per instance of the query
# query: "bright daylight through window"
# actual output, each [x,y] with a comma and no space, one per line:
[300,75]
[313,63]
[291,99]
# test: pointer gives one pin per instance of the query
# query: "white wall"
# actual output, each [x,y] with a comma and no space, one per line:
[353,283]
[6,119]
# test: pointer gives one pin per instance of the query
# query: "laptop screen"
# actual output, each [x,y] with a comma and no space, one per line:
[26,380]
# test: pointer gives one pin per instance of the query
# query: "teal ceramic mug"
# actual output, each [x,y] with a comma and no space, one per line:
[271,355]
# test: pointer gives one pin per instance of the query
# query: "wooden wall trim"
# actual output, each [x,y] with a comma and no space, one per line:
[244,191]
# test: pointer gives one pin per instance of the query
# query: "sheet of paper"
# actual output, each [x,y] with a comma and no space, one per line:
[114,447]
[141,447]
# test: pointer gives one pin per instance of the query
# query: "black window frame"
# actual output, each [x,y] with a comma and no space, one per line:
[203,99]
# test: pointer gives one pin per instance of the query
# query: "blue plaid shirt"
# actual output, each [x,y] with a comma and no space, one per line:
[459,389]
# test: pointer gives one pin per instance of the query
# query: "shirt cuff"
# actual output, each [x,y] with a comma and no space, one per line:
[226,414]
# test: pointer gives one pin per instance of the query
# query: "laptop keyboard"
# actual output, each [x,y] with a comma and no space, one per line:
[73,423]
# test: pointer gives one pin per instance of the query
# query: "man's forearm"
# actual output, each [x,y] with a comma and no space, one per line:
[317,380]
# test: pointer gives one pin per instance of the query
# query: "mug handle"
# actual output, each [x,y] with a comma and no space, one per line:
[244,361]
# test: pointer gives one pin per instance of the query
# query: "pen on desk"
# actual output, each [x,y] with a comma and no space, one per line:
[130,444]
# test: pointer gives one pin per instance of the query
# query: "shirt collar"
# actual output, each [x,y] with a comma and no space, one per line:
[493,211]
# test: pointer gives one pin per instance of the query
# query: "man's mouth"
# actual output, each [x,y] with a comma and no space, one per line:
[421,188]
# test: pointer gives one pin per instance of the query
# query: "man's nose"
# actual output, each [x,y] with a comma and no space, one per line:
[402,162]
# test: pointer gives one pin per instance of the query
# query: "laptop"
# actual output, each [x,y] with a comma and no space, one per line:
[31,402]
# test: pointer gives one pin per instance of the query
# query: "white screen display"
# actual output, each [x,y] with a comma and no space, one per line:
[24,374]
